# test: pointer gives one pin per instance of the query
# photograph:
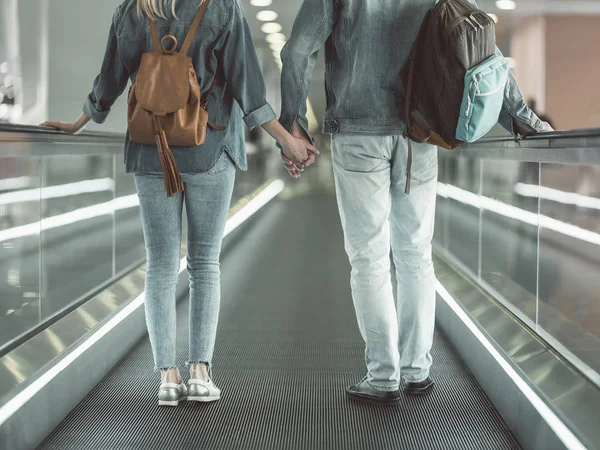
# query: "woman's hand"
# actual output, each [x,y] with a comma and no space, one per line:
[68,127]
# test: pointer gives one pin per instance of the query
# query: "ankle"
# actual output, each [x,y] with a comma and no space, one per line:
[170,375]
[199,371]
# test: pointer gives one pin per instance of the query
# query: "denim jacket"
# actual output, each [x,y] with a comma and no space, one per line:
[222,48]
[367,44]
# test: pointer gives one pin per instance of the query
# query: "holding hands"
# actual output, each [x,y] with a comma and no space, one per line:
[298,153]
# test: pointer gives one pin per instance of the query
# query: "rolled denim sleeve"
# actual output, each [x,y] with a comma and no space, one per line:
[242,69]
[516,117]
[311,29]
[110,83]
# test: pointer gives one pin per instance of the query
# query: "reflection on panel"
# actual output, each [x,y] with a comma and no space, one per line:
[129,239]
[19,246]
[570,257]
[509,233]
[462,227]
[77,252]
[440,227]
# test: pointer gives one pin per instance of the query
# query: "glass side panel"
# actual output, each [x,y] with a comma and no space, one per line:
[441,220]
[129,238]
[509,233]
[19,246]
[463,211]
[569,292]
[77,236]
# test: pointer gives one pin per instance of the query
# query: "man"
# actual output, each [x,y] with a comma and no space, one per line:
[367,44]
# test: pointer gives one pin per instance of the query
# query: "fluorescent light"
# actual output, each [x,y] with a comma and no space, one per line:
[261,3]
[506,4]
[271,27]
[274,38]
[266,16]
[61,190]
[494,17]
[9,184]
[78,215]
[555,195]
[15,403]
[512,212]
[277,46]
[554,422]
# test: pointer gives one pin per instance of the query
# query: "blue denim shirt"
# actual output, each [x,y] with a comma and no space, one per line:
[222,47]
[367,44]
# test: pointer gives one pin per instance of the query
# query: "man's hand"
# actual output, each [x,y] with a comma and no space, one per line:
[299,133]
[296,168]
[296,153]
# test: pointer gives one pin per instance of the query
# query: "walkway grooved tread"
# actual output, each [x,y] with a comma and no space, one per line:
[287,346]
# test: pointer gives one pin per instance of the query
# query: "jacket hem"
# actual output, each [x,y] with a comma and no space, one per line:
[367,126]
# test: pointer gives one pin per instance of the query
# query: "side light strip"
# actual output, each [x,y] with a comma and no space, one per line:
[562,431]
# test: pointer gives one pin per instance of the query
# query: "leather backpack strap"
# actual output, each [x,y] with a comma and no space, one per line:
[195,24]
[154,33]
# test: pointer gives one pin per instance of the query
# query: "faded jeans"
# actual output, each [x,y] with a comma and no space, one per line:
[207,197]
[376,215]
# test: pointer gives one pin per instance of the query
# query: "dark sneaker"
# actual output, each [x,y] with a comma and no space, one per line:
[364,392]
[420,388]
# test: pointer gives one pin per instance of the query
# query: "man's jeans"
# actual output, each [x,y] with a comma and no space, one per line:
[370,176]
[207,197]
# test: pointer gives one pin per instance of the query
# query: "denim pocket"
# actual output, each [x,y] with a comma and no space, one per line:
[362,154]
[425,163]
[223,163]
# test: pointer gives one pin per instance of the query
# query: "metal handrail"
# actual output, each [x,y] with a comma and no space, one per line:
[26,133]
[581,147]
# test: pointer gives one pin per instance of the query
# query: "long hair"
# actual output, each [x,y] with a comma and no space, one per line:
[158,8]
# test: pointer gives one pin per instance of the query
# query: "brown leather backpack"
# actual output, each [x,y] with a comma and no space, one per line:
[165,104]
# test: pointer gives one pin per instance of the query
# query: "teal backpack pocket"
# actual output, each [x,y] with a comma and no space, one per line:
[482,98]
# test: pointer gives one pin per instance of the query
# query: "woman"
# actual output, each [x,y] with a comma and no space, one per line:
[222,48]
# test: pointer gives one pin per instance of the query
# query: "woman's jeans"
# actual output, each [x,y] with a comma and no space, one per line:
[207,197]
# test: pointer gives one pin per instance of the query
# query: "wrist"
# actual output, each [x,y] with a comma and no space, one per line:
[286,141]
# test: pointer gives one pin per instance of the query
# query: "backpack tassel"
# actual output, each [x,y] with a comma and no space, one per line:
[173,181]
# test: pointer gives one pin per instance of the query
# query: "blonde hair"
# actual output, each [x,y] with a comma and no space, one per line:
[155,9]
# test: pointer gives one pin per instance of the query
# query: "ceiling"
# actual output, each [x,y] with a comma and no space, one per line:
[287,10]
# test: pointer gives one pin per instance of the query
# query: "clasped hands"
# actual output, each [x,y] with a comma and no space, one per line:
[299,153]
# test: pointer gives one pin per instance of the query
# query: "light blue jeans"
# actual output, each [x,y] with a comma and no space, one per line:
[376,214]
[207,197]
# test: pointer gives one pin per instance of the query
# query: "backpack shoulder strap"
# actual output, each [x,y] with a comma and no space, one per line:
[195,24]
[154,33]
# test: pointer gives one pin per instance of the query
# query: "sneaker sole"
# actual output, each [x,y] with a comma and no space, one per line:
[203,399]
[422,391]
[367,399]
[168,403]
